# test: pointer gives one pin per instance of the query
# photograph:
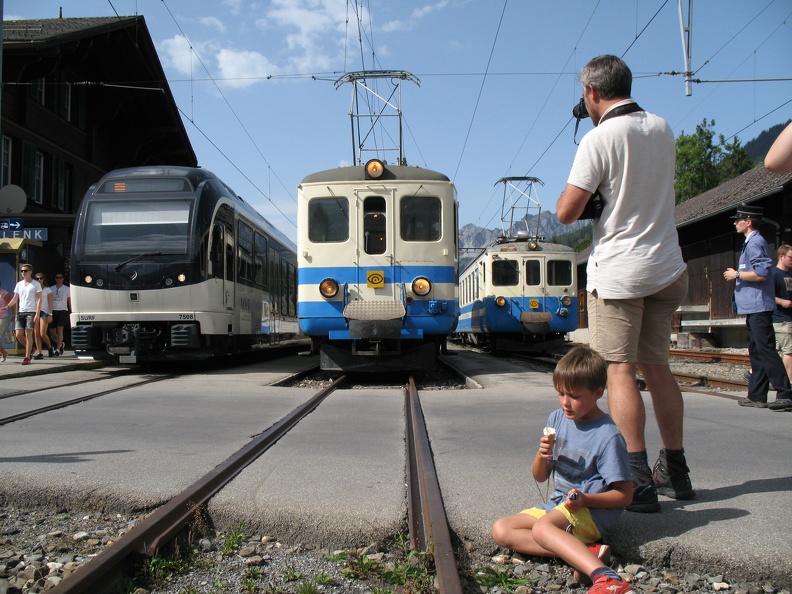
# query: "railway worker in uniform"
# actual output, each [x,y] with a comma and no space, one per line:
[782,315]
[754,297]
[588,458]
[28,294]
[636,275]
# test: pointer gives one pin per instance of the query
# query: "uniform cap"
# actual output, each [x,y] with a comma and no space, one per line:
[748,212]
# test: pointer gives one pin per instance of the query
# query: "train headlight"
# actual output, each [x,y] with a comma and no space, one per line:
[181,278]
[421,286]
[374,169]
[88,279]
[328,288]
[532,245]
[99,283]
[566,300]
[500,301]
[563,312]
[169,282]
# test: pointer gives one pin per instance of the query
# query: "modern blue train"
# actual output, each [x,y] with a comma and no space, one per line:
[377,265]
[169,264]
[519,294]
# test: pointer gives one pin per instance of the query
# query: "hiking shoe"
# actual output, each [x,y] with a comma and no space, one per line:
[25,361]
[753,403]
[603,553]
[644,499]
[607,585]
[671,478]
[780,404]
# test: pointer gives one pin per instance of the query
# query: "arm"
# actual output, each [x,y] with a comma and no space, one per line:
[543,461]
[779,157]
[745,275]
[619,494]
[571,203]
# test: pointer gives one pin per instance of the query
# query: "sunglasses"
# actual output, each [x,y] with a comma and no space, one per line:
[23,270]
[58,277]
[39,278]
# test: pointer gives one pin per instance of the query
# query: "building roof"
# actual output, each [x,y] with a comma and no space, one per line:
[55,31]
[748,187]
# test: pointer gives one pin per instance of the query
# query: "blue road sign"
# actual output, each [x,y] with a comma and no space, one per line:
[11,225]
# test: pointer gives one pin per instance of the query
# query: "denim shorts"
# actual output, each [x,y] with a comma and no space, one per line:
[25,321]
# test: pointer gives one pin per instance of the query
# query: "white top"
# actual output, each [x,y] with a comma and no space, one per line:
[45,300]
[60,297]
[636,247]
[27,296]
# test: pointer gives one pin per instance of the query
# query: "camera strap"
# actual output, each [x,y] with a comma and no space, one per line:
[621,110]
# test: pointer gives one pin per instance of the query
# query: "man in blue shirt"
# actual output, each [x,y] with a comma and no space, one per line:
[754,297]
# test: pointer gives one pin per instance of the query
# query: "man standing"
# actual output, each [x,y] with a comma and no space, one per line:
[61,306]
[636,275]
[754,296]
[782,315]
[28,294]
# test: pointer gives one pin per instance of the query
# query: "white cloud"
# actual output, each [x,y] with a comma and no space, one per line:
[213,22]
[241,69]
[176,53]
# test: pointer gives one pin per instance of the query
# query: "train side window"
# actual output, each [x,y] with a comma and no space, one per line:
[533,273]
[559,273]
[374,225]
[505,273]
[328,220]
[260,261]
[244,252]
[216,252]
[420,218]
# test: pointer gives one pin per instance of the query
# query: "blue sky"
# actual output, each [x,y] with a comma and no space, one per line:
[255,81]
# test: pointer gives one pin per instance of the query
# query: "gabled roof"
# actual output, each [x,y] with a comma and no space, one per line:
[46,32]
[748,187]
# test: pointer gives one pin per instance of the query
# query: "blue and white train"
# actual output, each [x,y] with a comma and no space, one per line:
[377,265]
[168,263]
[519,294]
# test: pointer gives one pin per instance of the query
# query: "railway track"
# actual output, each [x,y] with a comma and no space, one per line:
[428,525]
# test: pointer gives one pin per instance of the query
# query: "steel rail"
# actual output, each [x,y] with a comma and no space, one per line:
[426,514]
[712,356]
[65,403]
[147,536]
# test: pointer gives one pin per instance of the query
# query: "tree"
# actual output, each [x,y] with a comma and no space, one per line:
[701,164]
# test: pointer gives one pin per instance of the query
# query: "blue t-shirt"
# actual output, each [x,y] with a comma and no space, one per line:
[782,279]
[588,456]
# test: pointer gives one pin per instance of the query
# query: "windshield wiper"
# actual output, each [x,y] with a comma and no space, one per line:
[136,258]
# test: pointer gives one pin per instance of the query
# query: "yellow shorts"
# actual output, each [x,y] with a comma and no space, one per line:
[581,524]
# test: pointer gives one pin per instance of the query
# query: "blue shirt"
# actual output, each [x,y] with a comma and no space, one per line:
[755,297]
[588,456]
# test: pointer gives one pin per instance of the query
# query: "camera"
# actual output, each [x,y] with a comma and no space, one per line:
[579,111]
[593,209]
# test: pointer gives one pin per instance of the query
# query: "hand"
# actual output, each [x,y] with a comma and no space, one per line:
[546,447]
[575,500]
[730,274]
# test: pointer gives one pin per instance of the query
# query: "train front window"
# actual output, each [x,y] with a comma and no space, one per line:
[505,273]
[374,225]
[137,227]
[533,273]
[420,218]
[328,220]
[559,273]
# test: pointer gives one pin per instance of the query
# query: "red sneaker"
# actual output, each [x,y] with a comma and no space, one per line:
[602,552]
[25,361]
[607,585]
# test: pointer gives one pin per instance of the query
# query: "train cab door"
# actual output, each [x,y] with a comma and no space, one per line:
[532,282]
[376,252]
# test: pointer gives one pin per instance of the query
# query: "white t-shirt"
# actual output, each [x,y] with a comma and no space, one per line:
[45,300]
[630,160]
[27,296]
[60,297]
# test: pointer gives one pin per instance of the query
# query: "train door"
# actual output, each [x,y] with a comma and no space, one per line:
[375,255]
[533,294]
[221,255]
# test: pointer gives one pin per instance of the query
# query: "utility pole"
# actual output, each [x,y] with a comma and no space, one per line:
[687,42]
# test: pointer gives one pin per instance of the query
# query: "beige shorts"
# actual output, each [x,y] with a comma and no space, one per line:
[783,334]
[636,330]
[581,523]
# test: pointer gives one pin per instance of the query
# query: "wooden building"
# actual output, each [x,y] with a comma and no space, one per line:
[80,97]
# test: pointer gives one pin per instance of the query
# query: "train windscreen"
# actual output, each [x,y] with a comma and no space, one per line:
[136,227]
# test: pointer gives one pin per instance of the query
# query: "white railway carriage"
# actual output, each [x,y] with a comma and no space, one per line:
[168,263]
[377,265]
[519,294]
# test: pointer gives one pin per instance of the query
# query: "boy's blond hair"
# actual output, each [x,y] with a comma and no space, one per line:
[582,367]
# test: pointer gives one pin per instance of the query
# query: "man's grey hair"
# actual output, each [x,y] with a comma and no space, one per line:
[609,75]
